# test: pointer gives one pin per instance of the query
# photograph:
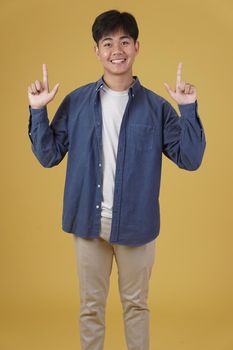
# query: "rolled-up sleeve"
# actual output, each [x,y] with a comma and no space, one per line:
[184,140]
[49,142]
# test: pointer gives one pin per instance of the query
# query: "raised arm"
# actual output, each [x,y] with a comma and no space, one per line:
[184,138]
[49,142]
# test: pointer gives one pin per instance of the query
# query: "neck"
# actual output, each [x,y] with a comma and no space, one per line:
[118,82]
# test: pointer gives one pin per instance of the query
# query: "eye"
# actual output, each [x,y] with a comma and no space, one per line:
[107,44]
[125,42]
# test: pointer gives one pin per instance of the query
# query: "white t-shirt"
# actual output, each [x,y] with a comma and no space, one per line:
[113,105]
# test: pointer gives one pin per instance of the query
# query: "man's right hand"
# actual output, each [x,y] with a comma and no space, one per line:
[38,92]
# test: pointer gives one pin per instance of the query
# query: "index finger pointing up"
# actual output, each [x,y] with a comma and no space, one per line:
[45,77]
[178,75]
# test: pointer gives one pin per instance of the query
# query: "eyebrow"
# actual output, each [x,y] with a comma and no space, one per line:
[122,37]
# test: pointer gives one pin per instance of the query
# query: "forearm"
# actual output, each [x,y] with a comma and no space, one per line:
[184,137]
[48,141]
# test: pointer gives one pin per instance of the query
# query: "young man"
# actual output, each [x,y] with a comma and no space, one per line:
[115,132]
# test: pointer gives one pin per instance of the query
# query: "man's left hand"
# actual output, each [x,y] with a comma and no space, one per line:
[184,92]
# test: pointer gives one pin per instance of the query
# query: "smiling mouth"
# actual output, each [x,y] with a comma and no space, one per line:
[118,61]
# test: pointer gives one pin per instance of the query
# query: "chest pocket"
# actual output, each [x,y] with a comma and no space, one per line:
[142,136]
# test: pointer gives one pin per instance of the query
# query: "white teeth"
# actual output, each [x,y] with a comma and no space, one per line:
[118,61]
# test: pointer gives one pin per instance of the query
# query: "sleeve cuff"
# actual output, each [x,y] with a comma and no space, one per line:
[38,115]
[35,110]
[188,110]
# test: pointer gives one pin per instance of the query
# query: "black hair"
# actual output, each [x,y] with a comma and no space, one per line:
[110,21]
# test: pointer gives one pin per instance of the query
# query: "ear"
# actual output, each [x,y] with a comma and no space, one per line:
[137,45]
[96,50]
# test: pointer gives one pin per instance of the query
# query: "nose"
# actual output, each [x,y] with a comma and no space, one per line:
[117,48]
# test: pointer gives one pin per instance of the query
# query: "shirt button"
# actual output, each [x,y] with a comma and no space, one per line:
[97,206]
[99,164]
[98,185]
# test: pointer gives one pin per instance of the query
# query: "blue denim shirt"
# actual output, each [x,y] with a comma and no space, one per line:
[150,127]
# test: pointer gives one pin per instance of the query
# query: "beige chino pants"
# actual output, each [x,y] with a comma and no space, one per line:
[94,266]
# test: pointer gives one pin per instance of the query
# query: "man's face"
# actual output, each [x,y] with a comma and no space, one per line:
[117,52]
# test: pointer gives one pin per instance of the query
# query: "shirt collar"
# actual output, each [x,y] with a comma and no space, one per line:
[132,90]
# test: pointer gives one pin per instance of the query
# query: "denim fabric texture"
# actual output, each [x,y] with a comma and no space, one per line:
[150,128]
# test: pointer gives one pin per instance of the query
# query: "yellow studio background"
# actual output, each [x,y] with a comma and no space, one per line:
[191,286]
